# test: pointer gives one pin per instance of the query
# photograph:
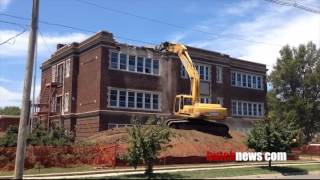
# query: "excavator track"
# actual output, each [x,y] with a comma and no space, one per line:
[205,126]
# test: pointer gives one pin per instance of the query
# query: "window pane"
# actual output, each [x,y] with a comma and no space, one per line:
[147,101]
[238,79]
[155,101]
[114,60]
[260,109]
[234,108]
[131,99]
[245,109]
[233,78]
[140,64]
[250,109]
[148,66]
[254,81]
[249,81]
[113,97]
[239,108]
[60,73]
[122,98]
[155,66]
[244,80]
[132,63]
[139,100]
[182,71]
[207,73]
[254,109]
[123,61]
[259,82]
[201,72]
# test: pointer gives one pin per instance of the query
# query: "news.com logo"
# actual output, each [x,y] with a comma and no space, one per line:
[246,156]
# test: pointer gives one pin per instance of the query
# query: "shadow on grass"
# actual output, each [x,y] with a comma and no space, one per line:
[154,176]
[286,171]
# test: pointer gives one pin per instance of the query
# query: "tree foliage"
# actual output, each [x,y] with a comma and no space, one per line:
[146,142]
[55,136]
[295,96]
[10,110]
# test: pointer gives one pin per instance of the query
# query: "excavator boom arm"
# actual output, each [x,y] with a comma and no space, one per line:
[187,63]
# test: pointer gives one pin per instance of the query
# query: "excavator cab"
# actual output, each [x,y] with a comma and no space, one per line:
[181,101]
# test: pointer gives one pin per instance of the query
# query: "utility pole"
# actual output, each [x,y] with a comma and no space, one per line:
[24,116]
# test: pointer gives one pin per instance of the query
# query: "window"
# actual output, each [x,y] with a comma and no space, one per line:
[131,97]
[139,100]
[259,82]
[220,100]
[114,60]
[53,73]
[132,63]
[147,101]
[113,97]
[122,98]
[233,78]
[53,104]
[249,81]
[58,104]
[207,73]
[60,73]
[244,80]
[66,102]
[245,109]
[254,82]
[67,68]
[238,79]
[203,70]
[249,109]
[155,100]
[148,66]
[205,100]
[234,108]
[219,74]
[155,66]
[239,108]
[123,61]
[259,109]
[255,109]
[140,64]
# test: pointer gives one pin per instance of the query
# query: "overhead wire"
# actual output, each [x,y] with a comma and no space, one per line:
[295,5]
[213,35]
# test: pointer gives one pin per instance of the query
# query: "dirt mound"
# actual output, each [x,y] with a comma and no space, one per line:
[184,143]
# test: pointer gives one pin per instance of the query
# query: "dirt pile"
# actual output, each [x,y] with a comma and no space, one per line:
[184,143]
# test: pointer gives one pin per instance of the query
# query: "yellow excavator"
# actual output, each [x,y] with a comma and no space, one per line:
[188,112]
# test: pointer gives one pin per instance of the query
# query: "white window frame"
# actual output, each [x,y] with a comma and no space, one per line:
[247,103]
[54,73]
[220,101]
[219,74]
[68,67]
[152,72]
[206,70]
[246,85]
[205,99]
[135,99]
[66,100]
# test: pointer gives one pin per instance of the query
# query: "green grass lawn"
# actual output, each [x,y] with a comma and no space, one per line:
[50,170]
[299,169]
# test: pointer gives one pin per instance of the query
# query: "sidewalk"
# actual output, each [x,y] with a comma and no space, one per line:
[310,175]
[157,169]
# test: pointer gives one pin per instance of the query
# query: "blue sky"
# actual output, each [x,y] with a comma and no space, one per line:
[253,30]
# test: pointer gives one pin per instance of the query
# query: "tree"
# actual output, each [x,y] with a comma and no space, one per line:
[10,110]
[270,135]
[55,136]
[146,142]
[296,89]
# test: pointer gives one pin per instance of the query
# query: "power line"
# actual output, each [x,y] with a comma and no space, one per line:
[13,37]
[77,28]
[296,5]
[173,25]
[44,41]
[13,23]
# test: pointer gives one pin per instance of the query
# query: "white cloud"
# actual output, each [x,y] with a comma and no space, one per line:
[276,26]
[9,98]
[4,4]
[18,46]
[240,8]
